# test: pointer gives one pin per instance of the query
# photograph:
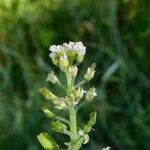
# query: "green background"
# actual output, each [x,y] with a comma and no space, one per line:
[116,34]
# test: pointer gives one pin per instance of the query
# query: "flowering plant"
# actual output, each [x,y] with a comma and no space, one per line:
[67,57]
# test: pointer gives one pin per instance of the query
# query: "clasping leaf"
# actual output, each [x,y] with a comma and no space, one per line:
[91,122]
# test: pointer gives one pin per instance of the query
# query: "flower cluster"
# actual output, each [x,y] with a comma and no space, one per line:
[67,57]
[68,53]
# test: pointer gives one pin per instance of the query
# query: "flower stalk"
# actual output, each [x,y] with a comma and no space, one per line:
[72,115]
[66,57]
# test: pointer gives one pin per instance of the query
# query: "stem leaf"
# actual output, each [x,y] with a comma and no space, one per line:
[91,122]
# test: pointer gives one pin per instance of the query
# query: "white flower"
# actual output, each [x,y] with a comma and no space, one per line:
[52,55]
[94,94]
[81,49]
[72,51]
[69,46]
[107,148]
[75,46]
[55,48]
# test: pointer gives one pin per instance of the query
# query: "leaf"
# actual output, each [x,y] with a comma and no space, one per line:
[91,122]
[59,126]
[47,142]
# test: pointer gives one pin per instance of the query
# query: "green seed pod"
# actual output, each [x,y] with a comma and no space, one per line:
[59,126]
[47,142]
[47,112]
[47,94]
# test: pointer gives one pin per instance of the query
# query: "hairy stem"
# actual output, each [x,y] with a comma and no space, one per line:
[72,115]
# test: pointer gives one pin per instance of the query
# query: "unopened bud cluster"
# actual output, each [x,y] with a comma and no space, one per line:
[67,57]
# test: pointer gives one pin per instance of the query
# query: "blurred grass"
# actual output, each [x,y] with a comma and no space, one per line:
[116,33]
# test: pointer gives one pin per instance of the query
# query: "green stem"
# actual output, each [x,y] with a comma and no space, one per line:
[80,84]
[73,128]
[72,115]
[62,119]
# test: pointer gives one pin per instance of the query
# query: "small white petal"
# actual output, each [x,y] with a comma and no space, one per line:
[52,55]
[81,133]
[94,94]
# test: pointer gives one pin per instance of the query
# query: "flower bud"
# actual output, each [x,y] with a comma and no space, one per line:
[79,93]
[80,58]
[60,104]
[91,94]
[47,94]
[52,78]
[73,71]
[90,72]
[63,62]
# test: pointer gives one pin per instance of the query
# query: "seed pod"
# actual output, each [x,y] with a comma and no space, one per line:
[59,126]
[47,112]
[48,94]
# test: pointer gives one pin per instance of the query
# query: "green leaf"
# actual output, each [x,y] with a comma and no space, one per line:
[47,142]
[59,126]
[47,112]
[91,122]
